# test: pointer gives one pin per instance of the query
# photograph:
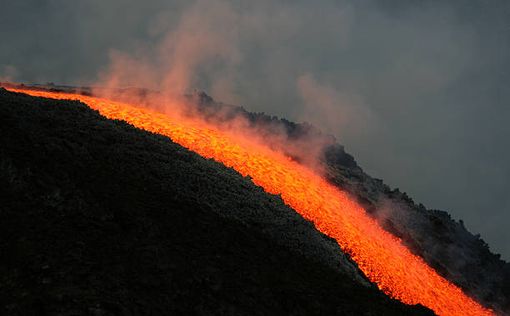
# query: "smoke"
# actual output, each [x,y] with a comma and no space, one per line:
[8,73]
[417,91]
[335,112]
[204,50]
[201,51]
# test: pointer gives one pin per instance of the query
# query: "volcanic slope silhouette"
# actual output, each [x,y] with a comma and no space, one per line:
[100,218]
[460,256]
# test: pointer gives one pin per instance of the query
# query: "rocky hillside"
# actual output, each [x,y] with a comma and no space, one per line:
[100,218]
[443,242]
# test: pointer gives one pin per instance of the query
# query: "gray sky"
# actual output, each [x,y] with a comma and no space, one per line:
[417,91]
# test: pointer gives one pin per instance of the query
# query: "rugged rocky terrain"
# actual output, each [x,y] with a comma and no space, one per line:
[443,242]
[100,218]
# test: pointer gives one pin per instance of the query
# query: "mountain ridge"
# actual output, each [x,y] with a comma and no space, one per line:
[431,234]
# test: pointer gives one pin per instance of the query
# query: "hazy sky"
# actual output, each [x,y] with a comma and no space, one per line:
[417,91]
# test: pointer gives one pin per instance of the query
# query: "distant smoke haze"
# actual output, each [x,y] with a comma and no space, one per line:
[417,91]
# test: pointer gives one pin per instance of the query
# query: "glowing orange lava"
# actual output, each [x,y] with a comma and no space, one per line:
[380,255]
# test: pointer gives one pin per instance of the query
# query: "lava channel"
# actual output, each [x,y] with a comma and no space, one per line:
[381,256]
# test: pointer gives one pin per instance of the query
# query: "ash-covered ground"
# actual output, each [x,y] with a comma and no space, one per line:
[100,218]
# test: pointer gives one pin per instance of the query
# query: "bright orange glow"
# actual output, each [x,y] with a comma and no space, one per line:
[380,255]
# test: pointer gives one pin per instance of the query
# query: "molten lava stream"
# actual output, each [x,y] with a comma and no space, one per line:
[380,255]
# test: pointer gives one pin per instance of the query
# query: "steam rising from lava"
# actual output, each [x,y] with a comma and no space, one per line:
[381,256]
[204,41]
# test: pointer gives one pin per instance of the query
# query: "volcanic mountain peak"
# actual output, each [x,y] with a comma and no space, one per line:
[443,243]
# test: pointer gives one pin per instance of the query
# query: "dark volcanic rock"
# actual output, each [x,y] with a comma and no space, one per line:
[445,244]
[100,218]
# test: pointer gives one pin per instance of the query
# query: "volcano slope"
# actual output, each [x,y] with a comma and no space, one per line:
[444,243]
[100,218]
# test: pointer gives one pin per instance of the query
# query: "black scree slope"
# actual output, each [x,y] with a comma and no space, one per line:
[100,218]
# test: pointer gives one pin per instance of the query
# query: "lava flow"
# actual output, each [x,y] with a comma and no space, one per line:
[380,255]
